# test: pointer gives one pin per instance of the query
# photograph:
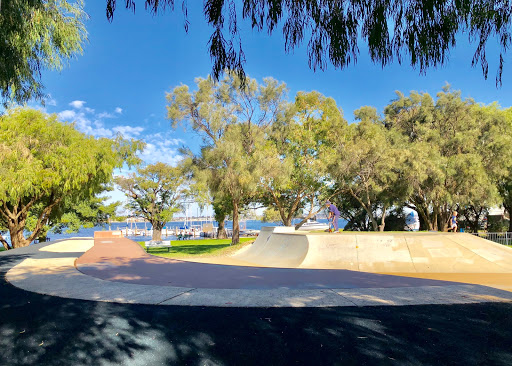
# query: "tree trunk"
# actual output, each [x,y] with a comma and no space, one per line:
[4,243]
[236,226]
[382,220]
[288,221]
[221,231]
[17,238]
[157,231]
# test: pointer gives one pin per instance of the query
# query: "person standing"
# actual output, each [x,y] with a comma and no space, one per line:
[453,222]
[334,215]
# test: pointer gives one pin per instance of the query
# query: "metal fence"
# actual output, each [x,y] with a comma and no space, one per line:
[500,238]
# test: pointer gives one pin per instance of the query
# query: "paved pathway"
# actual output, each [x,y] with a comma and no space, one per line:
[118,270]
[40,330]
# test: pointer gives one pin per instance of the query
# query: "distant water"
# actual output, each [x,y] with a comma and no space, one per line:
[89,232]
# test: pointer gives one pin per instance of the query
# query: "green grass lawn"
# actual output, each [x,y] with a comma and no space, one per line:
[198,248]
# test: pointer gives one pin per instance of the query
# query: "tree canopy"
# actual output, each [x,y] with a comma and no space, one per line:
[156,192]
[47,165]
[36,35]
[432,154]
[231,120]
[420,31]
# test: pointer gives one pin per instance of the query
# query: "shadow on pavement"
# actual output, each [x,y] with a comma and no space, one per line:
[45,330]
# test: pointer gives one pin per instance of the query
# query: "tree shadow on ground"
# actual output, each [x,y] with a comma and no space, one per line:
[44,330]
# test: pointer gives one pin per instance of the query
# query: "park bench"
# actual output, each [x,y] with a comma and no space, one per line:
[158,244]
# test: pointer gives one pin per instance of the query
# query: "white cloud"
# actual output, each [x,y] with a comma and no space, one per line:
[77,104]
[105,115]
[159,151]
[161,146]
[67,115]
[128,131]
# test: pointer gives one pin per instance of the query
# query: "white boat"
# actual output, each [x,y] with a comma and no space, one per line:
[311,225]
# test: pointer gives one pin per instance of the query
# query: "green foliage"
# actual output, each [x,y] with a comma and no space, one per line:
[422,31]
[47,166]
[432,155]
[36,35]
[156,193]
[497,224]
[271,215]
[231,118]
[367,165]
[72,215]
[455,155]
[299,144]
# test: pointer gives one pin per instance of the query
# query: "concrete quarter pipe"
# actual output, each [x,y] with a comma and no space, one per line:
[378,252]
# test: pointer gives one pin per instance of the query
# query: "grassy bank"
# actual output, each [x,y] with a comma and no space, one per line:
[198,248]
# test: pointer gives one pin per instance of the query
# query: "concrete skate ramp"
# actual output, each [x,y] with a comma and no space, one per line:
[379,252]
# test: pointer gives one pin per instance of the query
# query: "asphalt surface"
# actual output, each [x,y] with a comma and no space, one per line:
[43,330]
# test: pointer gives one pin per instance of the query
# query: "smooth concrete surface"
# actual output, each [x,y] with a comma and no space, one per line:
[380,252]
[53,272]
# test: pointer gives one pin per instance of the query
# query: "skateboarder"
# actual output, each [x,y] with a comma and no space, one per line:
[334,215]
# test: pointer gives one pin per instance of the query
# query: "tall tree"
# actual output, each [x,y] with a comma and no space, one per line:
[295,170]
[449,156]
[156,193]
[44,163]
[367,165]
[37,35]
[422,31]
[231,118]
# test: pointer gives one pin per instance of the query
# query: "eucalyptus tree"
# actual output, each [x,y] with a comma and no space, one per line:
[37,35]
[421,31]
[367,165]
[155,192]
[46,164]
[231,118]
[451,155]
[296,174]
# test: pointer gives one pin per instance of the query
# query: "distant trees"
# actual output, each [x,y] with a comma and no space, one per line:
[48,167]
[456,153]
[431,155]
[155,192]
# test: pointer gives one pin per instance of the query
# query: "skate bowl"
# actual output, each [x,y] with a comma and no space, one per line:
[406,252]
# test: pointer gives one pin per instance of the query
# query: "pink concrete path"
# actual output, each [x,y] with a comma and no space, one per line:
[121,259]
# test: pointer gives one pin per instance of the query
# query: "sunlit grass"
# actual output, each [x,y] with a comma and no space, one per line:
[198,248]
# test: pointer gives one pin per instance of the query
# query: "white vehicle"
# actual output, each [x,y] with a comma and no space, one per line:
[311,225]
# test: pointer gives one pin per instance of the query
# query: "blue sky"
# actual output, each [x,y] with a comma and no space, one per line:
[120,81]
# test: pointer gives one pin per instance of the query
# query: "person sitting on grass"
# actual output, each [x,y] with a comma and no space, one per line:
[334,215]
